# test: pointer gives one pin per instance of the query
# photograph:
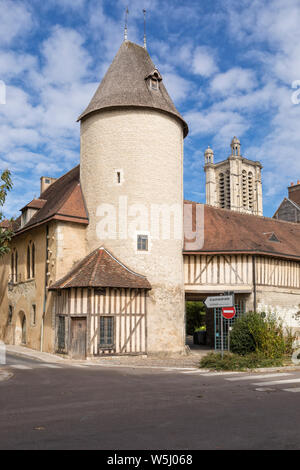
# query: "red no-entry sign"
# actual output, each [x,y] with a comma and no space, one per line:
[228,312]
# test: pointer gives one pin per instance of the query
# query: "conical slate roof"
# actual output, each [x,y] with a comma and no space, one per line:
[125,85]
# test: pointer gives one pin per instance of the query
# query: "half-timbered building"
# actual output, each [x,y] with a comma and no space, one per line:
[92,272]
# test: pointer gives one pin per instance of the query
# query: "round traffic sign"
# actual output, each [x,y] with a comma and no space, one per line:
[228,312]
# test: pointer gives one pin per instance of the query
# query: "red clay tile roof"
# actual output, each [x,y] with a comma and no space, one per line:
[62,200]
[35,204]
[6,224]
[227,231]
[101,269]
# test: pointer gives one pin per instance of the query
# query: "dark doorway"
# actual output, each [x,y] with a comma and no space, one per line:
[195,323]
[78,338]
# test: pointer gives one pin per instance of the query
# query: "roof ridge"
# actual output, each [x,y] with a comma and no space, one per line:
[262,217]
[58,180]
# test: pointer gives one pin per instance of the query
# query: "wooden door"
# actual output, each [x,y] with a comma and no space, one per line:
[78,338]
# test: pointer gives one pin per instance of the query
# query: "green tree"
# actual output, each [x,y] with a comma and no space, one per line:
[5,231]
[195,316]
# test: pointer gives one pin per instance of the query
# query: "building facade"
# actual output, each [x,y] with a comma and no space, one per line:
[99,263]
[289,209]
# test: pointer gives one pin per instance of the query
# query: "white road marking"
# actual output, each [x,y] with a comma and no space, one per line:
[278,382]
[20,366]
[265,389]
[212,374]
[50,366]
[265,376]
[197,371]
[295,390]
[80,365]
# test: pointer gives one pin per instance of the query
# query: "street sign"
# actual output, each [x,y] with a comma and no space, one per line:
[228,312]
[219,301]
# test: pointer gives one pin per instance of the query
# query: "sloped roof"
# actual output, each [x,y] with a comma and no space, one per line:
[125,85]
[35,204]
[101,269]
[61,200]
[227,231]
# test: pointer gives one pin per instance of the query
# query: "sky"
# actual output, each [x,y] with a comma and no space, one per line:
[232,67]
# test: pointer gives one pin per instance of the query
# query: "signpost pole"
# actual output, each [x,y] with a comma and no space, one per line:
[222,338]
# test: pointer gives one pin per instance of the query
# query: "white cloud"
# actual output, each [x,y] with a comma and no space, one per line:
[177,87]
[204,62]
[221,125]
[234,80]
[16,20]
[66,60]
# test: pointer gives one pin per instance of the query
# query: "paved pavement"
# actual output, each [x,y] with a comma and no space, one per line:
[75,406]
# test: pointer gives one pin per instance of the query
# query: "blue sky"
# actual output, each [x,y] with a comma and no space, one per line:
[228,65]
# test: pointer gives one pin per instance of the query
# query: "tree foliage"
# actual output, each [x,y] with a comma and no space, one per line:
[5,232]
[195,316]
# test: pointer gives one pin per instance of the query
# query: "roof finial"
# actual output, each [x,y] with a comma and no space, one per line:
[145,40]
[126,29]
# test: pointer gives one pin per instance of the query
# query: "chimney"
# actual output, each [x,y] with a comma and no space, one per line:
[294,192]
[46,181]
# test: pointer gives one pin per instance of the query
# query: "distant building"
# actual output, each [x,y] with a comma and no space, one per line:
[234,183]
[289,209]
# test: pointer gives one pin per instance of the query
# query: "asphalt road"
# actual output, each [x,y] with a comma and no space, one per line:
[68,407]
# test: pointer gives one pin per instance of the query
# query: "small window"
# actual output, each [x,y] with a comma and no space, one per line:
[142,242]
[100,291]
[33,315]
[10,314]
[106,332]
[153,84]
[118,177]
[47,181]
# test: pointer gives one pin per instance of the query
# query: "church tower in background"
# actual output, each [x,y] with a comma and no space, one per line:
[234,183]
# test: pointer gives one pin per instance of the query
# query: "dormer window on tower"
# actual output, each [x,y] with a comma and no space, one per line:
[153,80]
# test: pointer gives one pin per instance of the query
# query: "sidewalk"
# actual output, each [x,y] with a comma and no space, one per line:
[180,361]
[153,362]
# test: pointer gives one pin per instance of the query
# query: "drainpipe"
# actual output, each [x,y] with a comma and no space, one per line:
[45,291]
[254,282]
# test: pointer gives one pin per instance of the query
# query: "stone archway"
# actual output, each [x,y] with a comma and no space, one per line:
[20,330]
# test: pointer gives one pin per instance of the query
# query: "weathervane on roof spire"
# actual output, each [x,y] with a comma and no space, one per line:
[126,29]
[145,40]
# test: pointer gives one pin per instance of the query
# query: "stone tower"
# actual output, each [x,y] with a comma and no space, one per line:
[131,174]
[234,183]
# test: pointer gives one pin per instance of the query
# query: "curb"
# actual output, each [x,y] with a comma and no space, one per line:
[253,371]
